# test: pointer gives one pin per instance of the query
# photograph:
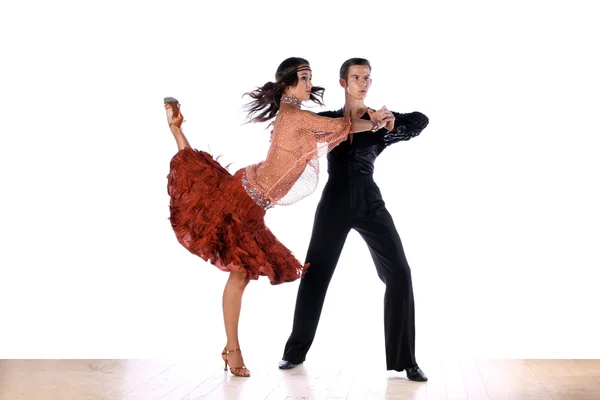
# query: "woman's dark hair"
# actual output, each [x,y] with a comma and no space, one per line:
[266,98]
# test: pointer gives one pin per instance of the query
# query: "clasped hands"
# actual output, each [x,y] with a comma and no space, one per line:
[384,116]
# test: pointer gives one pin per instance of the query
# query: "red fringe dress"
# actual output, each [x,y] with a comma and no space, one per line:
[220,217]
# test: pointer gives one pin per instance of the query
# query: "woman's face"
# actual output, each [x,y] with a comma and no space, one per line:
[303,87]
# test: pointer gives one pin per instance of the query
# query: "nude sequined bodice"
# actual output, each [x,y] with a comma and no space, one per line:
[290,171]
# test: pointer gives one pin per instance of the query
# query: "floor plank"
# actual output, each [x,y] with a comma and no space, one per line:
[449,379]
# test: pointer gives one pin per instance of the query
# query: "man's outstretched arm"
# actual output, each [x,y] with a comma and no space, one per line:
[406,127]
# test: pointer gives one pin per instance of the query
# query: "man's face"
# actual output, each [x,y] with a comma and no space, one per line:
[359,81]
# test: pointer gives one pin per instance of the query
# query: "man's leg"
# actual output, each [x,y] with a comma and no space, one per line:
[386,248]
[330,230]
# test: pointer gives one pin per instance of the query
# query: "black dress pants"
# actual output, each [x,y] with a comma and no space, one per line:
[355,203]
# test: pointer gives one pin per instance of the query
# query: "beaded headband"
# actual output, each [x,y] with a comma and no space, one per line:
[296,70]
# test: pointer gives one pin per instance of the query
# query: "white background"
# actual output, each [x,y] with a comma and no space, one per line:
[496,201]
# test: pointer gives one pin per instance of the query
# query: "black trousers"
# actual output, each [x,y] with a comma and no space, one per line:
[355,203]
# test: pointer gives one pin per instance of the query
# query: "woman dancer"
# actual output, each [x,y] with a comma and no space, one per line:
[220,217]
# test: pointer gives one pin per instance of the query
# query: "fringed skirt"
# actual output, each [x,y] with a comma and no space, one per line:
[216,219]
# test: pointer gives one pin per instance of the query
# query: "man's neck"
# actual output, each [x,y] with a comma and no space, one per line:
[354,108]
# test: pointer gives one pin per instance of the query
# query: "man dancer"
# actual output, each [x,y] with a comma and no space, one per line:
[352,200]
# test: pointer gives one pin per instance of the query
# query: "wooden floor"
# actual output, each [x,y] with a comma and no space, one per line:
[168,380]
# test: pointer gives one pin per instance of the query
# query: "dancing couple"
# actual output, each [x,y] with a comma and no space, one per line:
[220,217]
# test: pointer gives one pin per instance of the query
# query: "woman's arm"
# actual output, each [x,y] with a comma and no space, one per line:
[324,125]
[365,125]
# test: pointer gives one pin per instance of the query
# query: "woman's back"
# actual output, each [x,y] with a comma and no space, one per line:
[291,169]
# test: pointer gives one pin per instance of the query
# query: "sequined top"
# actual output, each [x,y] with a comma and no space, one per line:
[290,171]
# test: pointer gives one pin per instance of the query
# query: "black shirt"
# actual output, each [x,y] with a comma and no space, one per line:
[358,158]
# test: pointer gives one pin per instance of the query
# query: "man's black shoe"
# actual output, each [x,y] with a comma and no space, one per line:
[415,374]
[285,364]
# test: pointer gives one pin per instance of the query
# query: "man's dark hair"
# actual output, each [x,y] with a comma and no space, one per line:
[353,61]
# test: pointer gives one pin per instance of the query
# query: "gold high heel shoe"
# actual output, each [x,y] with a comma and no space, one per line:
[176,119]
[237,371]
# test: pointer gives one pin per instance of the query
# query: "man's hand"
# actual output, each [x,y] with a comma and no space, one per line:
[383,114]
[390,125]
